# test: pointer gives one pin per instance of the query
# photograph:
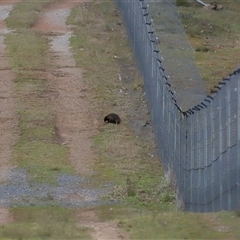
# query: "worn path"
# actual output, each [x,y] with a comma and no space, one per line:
[69,98]
[72,107]
[8,122]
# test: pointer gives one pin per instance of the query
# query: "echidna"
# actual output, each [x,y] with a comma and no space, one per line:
[112,118]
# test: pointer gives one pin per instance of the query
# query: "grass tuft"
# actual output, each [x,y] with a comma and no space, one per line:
[43,223]
[25,14]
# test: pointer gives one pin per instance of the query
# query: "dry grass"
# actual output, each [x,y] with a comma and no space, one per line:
[103,52]
[43,223]
[124,151]
[215,37]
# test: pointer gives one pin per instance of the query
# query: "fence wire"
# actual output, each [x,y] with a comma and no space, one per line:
[198,136]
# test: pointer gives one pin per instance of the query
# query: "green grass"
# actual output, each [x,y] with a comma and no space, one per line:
[28,50]
[147,209]
[101,50]
[216,31]
[174,225]
[25,14]
[43,223]
[41,159]
[122,157]
[38,149]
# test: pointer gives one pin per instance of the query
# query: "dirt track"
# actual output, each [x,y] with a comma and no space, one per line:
[8,122]
[72,108]
[68,96]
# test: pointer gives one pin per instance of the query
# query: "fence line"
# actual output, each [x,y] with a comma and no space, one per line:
[199,147]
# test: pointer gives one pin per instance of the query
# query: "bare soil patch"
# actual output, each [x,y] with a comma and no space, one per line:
[101,230]
[5,216]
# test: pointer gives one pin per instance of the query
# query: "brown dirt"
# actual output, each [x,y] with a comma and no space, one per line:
[102,230]
[8,120]
[70,102]
[70,99]
[5,216]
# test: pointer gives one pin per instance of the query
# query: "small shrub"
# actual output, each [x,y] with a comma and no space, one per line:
[183,3]
[131,189]
[202,49]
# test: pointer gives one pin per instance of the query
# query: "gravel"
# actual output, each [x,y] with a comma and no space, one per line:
[70,191]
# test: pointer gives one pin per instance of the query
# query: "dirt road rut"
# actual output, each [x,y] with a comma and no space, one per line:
[71,104]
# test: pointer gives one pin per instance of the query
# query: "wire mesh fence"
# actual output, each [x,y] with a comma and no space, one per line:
[198,135]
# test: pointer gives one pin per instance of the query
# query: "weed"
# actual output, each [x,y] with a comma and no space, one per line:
[131,188]
[202,49]
[238,212]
